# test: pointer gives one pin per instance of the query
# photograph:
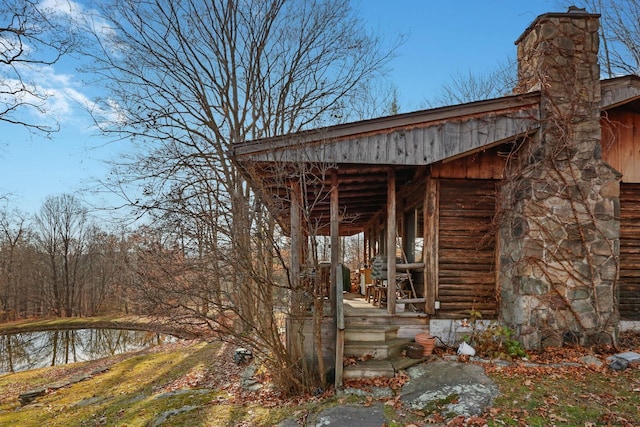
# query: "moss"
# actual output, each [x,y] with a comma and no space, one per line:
[125,394]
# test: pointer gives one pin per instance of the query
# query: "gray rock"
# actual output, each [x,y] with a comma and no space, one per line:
[591,361]
[31,395]
[629,356]
[439,381]
[188,391]
[619,364]
[348,415]
[167,414]
[375,392]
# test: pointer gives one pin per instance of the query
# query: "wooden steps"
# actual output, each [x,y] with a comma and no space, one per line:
[368,333]
[378,350]
[377,340]
[369,369]
[379,368]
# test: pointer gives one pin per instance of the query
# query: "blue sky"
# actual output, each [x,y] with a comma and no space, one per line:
[444,38]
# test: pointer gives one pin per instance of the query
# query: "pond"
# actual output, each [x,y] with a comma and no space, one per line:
[31,350]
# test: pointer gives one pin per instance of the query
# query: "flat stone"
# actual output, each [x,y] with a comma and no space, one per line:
[168,414]
[629,356]
[375,392]
[29,396]
[90,401]
[188,391]
[347,415]
[591,361]
[437,381]
[619,364]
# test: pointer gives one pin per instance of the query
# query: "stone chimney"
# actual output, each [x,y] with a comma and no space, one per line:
[559,239]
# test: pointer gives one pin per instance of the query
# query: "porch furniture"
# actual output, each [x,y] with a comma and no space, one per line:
[368,292]
[380,295]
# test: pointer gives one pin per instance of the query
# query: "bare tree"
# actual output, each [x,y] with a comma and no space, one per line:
[61,228]
[191,79]
[106,273]
[474,86]
[32,35]
[12,236]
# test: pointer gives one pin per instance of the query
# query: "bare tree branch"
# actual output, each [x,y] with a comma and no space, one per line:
[31,36]
[187,81]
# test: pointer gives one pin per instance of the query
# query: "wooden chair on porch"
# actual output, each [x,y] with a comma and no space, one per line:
[369,291]
[379,293]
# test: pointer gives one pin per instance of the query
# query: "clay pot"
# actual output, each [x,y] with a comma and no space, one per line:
[427,342]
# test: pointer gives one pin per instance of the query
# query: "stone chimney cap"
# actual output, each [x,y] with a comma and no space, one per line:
[576,9]
[573,11]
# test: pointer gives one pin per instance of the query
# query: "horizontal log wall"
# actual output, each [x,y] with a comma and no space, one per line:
[629,284]
[466,253]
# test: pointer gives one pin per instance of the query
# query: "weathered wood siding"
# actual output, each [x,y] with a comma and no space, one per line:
[621,143]
[419,144]
[629,284]
[621,149]
[466,253]
[486,164]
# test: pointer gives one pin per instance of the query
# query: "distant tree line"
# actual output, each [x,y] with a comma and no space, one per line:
[61,263]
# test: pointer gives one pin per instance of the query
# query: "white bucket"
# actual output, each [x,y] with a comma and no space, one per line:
[466,350]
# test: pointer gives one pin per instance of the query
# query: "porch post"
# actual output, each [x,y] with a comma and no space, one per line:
[296,246]
[391,241]
[430,252]
[335,236]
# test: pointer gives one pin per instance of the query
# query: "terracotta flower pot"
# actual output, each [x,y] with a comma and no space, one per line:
[427,342]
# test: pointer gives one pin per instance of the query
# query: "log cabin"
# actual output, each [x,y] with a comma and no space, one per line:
[524,208]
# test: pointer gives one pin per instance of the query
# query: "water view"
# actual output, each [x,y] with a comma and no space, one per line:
[24,351]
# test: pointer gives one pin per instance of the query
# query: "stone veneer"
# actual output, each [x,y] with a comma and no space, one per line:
[559,240]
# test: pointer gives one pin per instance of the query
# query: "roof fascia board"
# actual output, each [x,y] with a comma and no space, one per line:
[619,91]
[388,123]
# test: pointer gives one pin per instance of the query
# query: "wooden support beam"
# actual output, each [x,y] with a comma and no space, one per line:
[410,266]
[430,253]
[296,245]
[335,235]
[410,300]
[391,240]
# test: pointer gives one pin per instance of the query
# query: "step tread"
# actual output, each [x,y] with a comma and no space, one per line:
[370,369]
[399,362]
[388,343]
[373,327]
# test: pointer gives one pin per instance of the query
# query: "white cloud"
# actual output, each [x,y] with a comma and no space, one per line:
[67,8]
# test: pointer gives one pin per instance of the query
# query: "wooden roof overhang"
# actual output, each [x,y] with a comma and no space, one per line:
[621,92]
[361,153]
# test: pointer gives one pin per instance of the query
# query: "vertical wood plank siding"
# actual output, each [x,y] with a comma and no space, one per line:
[629,284]
[621,149]
[621,143]
[466,260]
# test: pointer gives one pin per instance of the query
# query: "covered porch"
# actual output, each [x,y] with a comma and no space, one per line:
[401,182]
[419,187]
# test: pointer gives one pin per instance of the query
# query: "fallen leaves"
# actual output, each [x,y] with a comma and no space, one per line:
[352,361]
[368,383]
